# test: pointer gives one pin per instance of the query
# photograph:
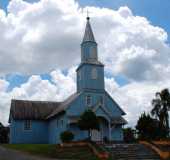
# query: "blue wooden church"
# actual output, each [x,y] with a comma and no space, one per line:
[43,121]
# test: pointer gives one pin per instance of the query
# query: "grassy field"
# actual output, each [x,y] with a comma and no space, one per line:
[55,151]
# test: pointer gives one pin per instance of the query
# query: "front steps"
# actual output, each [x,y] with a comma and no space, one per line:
[131,152]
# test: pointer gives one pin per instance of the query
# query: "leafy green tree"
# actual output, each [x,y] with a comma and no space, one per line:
[129,135]
[161,106]
[88,121]
[147,127]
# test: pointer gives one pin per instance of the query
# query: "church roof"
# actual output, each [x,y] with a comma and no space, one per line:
[38,110]
[64,105]
[118,120]
[88,35]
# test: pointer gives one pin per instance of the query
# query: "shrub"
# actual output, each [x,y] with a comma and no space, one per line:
[88,121]
[66,136]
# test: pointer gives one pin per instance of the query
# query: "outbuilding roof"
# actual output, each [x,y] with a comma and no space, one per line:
[38,110]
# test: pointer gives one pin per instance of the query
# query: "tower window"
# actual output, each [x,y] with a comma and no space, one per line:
[94,73]
[88,100]
[93,53]
[27,125]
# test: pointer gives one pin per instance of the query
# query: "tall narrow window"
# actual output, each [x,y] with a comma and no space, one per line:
[79,74]
[27,125]
[94,73]
[62,123]
[93,53]
[101,100]
[88,100]
[57,123]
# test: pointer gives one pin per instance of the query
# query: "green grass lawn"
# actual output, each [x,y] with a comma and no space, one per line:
[55,151]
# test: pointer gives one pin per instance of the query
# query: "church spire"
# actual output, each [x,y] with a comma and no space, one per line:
[88,35]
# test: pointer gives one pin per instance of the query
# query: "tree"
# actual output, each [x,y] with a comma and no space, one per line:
[4,131]
[129,135]
[88,121]
[147,127]
[161,106]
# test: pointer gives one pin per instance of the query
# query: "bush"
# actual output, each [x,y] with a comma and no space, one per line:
[129,135]
[66,136]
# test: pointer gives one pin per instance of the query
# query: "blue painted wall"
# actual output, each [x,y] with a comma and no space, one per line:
[117,133]
[86,81]
[89,61]
[38,133]
[49,131]
[79,106]
[112,106]
[56,127]
[88,51]
[78,134]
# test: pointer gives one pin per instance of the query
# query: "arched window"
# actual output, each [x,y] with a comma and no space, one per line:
[94,73]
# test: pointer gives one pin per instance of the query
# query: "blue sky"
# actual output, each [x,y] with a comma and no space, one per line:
[156,11]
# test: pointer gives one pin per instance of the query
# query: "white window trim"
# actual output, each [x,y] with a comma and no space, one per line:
[30,128]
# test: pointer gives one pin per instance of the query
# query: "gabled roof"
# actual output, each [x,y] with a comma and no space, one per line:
[38,110]
[98,105]
[64,105]
[123,113]
[88,35]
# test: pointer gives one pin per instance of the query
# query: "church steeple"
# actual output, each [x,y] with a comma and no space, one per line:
[88,35]
[90,73]
[89,45]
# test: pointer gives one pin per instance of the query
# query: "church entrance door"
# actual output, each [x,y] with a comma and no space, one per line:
[96,135]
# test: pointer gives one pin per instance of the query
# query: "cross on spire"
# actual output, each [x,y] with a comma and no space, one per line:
[88,15]
[88,35]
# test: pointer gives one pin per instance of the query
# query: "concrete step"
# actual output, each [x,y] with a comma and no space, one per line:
[131,152]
